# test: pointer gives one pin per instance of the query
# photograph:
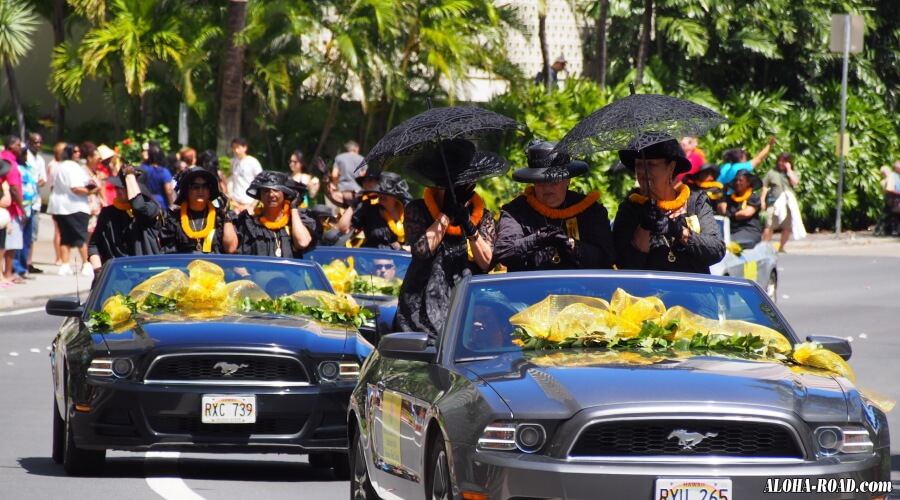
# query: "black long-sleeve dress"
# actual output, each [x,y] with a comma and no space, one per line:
[378,232]
[174,240]
[425,294]
[120,234]
[517,248]
[704,248]
[747,232]
[256,239]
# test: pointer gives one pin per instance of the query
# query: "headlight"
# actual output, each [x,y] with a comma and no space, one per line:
[527,437]
[833,439]
[111,367]
[330,371]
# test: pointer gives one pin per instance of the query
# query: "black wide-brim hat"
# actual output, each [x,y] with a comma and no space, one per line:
[370,173]
[465,164]
[323,211]
[546,166]
[392,184]
[755,181]
[187,178]
[269,179]
[668,149]
[298,187]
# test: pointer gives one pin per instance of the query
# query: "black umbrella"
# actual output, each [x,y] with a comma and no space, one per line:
[638,121]
[432,127]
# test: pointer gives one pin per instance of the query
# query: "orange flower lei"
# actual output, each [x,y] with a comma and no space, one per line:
[710,184]
[741,199]
[281,222]
[560,213]
[395,226]
[207,228]
[435,210]
[668,205]
[124,206]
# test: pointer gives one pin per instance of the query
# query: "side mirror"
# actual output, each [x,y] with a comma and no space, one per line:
[837,345]
[410,346]
[64,306]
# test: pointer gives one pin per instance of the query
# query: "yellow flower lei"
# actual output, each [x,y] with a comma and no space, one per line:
[435,211]
[207,228]
[710,184]
[395,226]
[124,206]
[741,199]
[560,213]
[668,205]
[281,222]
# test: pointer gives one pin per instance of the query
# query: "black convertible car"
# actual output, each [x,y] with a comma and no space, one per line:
[612,385]
[173,353]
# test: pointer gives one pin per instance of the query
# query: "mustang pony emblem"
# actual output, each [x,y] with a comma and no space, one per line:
[228,369]
[688,439]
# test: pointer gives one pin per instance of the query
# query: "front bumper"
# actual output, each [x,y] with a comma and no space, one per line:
[520,476]
[138,417]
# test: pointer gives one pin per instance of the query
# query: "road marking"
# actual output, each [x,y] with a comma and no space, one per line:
[169,487]
[21,311]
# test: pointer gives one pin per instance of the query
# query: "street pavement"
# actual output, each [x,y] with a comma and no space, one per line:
[34,293]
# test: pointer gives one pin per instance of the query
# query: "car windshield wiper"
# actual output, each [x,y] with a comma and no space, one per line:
[477,358]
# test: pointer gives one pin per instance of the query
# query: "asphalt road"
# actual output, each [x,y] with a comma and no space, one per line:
[847,296]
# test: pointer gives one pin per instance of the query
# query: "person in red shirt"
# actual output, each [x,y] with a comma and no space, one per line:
[694,155]
[13,240]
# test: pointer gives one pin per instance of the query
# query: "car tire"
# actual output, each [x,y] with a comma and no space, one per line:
[340,465]
[79,462]
[360,485]
[772,286]
[59,435]
[438,481]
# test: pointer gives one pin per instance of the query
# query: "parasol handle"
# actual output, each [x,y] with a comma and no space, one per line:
[444,161]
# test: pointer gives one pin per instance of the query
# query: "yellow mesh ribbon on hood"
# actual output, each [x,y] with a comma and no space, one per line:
[690,323]
[168,284]
[333,302]
[544,319]
[237,290]
[118,310]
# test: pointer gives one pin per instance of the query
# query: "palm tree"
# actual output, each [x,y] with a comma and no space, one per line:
[231,77]
[18,23]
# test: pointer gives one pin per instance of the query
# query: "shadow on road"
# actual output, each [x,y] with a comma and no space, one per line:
[192,468]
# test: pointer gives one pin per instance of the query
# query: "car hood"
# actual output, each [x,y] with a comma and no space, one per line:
[260,331]
[560,384]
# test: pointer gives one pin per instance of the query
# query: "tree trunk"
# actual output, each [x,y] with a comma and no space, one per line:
[14,98]
[601,43]
[231,78]
[59,36]
[644,46]
[329,122]
[545,50]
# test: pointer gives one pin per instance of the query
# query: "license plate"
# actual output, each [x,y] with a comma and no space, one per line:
[228,409]
[693,489]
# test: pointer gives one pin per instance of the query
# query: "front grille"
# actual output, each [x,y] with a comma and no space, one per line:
[226,368]
[651,438]
[194,427]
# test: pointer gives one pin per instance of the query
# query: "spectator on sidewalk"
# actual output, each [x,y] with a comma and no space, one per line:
[31,198]
[158,177]
[244,168]
[779,202]
[71,209]
[343,186]
[739,159]
[51,171]
[35,160]
[694,155]
[14,240]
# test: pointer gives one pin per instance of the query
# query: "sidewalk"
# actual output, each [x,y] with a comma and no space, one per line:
[34,293]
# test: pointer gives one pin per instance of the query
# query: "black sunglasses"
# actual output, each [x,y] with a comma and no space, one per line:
[384,266]
[198,185]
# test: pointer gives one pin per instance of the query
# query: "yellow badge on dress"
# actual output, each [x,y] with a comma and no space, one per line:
[572,228]
[693,223]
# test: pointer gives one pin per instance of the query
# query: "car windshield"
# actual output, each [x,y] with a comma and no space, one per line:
[486,328]
[273,277]
[366,271]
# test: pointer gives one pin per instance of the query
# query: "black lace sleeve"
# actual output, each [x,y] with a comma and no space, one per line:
[417,221]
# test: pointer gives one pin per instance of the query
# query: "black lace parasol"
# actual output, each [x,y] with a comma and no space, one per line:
[638,121]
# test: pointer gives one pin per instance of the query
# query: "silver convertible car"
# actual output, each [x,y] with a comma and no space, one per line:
[612,385]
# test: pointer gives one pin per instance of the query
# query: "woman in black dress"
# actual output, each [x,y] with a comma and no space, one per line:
[742,207]
[671,229]
[550,226]
[277,228]
[194,224]
[382,223]
[449,239]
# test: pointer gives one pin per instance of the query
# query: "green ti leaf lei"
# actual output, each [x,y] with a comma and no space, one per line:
[366,287]
[290,307]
